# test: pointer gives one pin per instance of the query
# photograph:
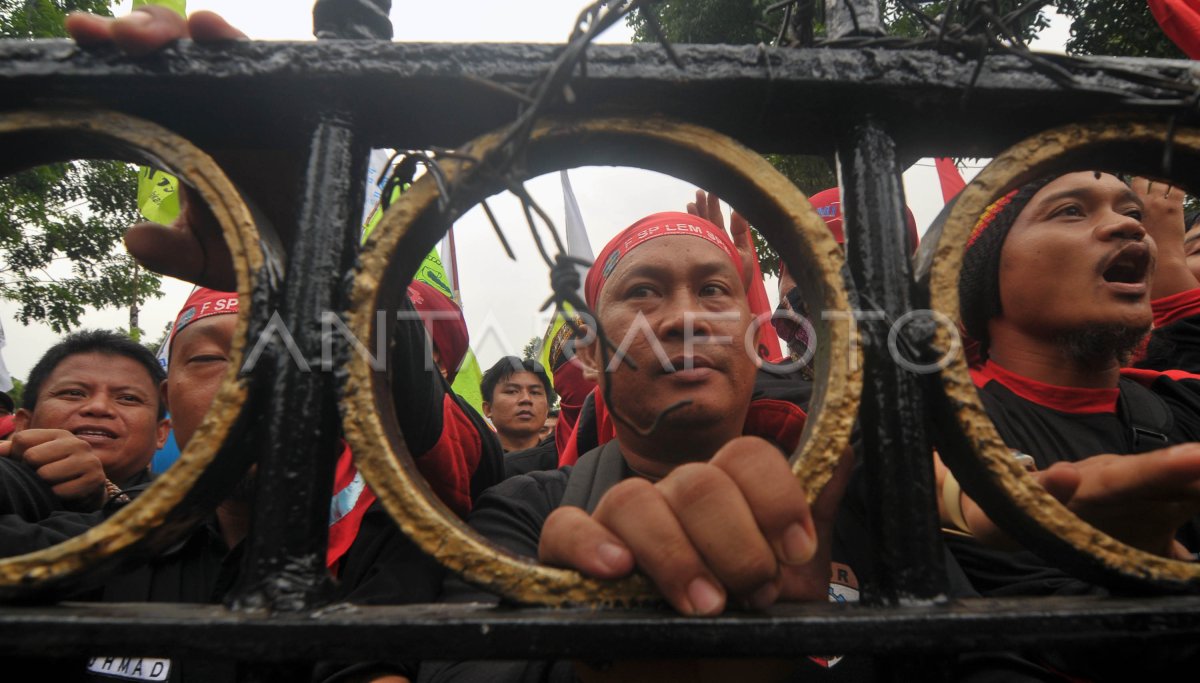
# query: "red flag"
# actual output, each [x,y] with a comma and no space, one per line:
[1180,20]
[949,177]
[768,342]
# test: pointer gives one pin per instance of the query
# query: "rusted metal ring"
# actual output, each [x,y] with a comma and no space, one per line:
[411,227]
[976,454]
[167,507]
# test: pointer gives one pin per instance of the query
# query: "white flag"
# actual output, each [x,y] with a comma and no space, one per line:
[449,266]
[577,240]
[6,383]
[376,172]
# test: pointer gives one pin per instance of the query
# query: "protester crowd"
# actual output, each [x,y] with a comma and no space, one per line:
[1080,302]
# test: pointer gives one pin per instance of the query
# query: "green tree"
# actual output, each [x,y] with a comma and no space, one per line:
[61,224]
[531,349]
[17,391]
[44,18]
[1116,27]
[60,242]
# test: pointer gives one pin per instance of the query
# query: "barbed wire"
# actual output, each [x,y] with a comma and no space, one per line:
[977,29]
[504,165]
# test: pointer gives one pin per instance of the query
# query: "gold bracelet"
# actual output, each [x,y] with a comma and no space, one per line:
[952,504]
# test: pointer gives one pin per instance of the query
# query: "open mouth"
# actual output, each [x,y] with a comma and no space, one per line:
[1130,266]
[93,433]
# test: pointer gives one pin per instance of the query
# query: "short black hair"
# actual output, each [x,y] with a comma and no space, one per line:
[92,341]
[507,367]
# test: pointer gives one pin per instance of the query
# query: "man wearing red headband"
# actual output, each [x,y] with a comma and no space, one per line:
[709,515]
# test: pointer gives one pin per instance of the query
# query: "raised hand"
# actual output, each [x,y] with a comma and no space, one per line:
[193,248]
[148,29]
[708,207]
[1163,221]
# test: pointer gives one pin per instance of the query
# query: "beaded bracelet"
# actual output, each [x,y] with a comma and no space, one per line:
[114,492]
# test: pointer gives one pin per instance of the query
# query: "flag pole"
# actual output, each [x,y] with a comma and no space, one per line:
[454,267]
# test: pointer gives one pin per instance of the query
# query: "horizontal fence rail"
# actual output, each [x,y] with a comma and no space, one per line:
[407,95]
[326,103]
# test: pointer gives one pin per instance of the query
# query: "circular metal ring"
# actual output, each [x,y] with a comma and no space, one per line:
[412,226]
[992,477]
[173,502]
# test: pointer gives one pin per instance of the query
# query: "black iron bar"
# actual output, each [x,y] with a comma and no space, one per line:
[477,632]
[418,95]
[897,458]
[895,448]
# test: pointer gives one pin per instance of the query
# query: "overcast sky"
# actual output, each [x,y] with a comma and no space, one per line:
[500,298]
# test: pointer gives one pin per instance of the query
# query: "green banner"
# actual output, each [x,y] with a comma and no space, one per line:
[180,6]
[466,382]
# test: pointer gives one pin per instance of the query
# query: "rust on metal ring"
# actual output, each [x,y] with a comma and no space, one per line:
[36,137]
[1048,526]
[411,227]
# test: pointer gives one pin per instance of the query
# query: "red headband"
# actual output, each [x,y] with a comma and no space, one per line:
[202,303]
[828,204]
[448,329]
[665,224]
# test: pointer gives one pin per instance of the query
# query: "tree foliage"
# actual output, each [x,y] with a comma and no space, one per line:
[61,224]
[43,18]
[60,242]
[531,349]
[17,393]
[154,344]
[732,22]
[1116,27]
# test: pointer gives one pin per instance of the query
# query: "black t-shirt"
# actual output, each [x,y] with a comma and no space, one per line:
[543,456]
[512,515]
[381,567]
[33,518]
[1055,424]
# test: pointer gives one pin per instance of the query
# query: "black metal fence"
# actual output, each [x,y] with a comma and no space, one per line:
[326,103]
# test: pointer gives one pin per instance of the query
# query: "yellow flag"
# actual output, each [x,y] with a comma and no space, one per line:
[157,195]
[433,273]
[158,192]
